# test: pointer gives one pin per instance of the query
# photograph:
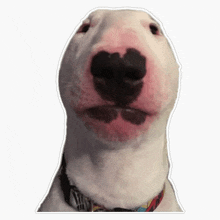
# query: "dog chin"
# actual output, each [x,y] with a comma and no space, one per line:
[117,124]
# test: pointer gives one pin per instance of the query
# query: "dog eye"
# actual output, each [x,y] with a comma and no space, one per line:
[84,28]
[154,29]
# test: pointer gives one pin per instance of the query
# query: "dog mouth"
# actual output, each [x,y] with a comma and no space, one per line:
[109,113]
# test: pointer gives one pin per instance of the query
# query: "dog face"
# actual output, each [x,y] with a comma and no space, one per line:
[118,75]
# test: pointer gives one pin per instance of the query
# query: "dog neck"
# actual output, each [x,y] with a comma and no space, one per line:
[115,174]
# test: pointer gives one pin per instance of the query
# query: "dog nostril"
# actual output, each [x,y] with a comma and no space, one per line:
[105,65]
[119,73]
[105,73]
[133,74]
[111,70]
[108,73]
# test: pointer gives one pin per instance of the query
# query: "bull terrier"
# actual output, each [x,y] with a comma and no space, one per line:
[118,82]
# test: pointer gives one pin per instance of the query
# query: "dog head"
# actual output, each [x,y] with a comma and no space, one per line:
[119,76]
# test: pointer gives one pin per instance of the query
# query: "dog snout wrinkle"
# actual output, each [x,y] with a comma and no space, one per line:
[118,79]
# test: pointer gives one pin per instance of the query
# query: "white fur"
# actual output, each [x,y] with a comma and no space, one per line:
[115,173]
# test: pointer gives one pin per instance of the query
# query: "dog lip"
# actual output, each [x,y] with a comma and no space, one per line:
[108,113]
[117,108]
[102,113]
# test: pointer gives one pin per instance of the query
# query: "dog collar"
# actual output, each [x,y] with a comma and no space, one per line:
[84,204]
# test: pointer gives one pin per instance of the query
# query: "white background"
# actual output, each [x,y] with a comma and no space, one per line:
[33,36]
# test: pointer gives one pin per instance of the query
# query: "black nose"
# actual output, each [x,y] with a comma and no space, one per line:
[119,79]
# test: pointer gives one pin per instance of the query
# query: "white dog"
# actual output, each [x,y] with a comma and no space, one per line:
[118,82]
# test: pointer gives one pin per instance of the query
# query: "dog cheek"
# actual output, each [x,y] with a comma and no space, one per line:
[161,82]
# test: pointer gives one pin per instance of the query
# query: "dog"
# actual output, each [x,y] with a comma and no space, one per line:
[118,82]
